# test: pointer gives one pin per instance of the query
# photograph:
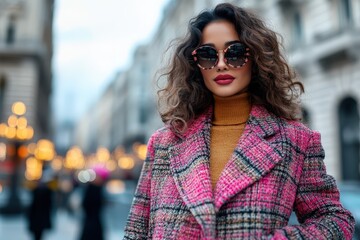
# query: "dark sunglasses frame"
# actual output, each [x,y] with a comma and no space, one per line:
[196,57]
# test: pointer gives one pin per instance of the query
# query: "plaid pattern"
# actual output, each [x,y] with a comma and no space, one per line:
[276,167]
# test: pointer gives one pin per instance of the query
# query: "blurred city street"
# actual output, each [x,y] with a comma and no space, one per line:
[67,223]
[77,92]
[14,228]
[65,227]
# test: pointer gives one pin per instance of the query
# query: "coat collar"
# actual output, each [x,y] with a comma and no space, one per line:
[252,158]
[254,155]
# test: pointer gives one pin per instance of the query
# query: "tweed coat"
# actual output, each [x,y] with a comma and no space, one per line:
[276,168]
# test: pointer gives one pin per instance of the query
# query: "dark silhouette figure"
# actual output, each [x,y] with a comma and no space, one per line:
[39,212]
[92,205]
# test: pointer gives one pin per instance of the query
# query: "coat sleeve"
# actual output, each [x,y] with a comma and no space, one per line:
[138,219]
[317,203]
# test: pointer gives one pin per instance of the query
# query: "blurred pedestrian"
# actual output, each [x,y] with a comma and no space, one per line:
[233,160]
[92,204]
[39,213]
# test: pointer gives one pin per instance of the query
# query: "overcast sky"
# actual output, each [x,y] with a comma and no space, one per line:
[93,40]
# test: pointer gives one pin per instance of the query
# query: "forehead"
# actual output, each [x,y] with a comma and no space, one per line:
[218,33]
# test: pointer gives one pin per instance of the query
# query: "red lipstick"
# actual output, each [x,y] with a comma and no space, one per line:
[224,79]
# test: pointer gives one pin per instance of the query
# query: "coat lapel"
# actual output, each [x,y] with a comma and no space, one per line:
[190,168]
[254,156]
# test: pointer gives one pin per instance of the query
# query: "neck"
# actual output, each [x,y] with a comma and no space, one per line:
[232,110]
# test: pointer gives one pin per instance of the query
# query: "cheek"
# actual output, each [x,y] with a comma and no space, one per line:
[245,73]
[206,74]
[207,78]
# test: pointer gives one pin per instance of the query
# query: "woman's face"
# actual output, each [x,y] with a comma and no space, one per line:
[224,80]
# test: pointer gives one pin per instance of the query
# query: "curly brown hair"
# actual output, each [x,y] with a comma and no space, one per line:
[273,84]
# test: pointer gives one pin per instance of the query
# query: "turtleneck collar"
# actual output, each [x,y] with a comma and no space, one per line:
[232,110]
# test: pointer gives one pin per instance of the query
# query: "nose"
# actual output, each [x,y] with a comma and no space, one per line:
[221,65]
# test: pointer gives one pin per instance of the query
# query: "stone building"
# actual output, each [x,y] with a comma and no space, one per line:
[25,60]
[324,47]
[25,76]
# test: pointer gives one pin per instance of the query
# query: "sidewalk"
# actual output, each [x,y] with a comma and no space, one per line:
[65,227]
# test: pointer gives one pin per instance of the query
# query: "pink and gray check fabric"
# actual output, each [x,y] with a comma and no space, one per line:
[277,167]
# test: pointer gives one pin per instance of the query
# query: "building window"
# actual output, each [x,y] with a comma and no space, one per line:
[293,21]
[10,30]
[297,29]
[345,13]
[349,139]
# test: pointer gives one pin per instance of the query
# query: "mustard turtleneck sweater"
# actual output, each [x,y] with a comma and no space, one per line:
[230,116]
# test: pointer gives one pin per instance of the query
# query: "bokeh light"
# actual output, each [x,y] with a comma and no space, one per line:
[19,108]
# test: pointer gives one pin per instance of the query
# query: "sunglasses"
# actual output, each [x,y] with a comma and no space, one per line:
[235,55]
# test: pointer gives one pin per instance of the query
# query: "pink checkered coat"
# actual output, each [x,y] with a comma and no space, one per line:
[277,167]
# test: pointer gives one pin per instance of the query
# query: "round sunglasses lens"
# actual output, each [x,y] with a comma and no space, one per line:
[206,57]
[235,55]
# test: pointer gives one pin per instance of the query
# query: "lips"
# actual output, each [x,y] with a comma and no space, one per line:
[224,79]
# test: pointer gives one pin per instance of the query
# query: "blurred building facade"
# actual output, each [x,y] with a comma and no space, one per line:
[324,47]
[322,42]
[26,47]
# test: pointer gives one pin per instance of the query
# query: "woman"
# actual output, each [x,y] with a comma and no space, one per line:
[233,161]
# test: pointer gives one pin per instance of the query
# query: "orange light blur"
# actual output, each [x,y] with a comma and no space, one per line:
[22,151]
[126,162]
[102,154]
[3,129]
[21,133]
[33,169]
[18,108]
[74,159]
[22,122]
[2,151]
[141,151]
[12,121]
[30,132]
[10,132]
[45,150]
[115,186]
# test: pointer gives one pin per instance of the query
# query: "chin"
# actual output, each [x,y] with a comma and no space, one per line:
[225,93]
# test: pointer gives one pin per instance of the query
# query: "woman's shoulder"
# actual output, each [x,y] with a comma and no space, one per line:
[296,134]
[300,133]
[294,131]
[297,126]
[261,114]
[162,135]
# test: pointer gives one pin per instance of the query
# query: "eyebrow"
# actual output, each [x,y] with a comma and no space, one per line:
[226,43]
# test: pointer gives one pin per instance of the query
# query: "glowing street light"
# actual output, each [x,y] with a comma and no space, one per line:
[102,154]
[33,169]
[16,130]
[74,158]
[126,162]
[140,150]
[42,151]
